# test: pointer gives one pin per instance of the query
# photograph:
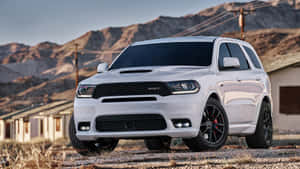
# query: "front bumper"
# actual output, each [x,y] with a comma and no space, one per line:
[171,107]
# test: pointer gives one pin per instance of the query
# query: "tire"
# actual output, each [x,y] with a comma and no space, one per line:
[160,143]
[88,148]
[213,130]
[262,138]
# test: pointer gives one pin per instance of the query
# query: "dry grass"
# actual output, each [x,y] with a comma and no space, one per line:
[172,163]
[294,159]
[35,154]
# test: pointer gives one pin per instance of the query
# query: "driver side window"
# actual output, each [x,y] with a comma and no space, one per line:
[223,52]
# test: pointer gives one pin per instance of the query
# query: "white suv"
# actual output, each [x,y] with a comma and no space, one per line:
[200,89]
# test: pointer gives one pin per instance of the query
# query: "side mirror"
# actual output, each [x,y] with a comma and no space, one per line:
[102,67]
[231,62]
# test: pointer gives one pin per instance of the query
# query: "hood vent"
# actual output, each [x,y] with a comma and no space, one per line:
[136,71]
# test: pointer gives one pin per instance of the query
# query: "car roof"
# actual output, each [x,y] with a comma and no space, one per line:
[177,39]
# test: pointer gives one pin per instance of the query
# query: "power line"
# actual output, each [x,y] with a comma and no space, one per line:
[213,26]
[198,26]
[206,22]
[191,30]
[242,13]
[229,19]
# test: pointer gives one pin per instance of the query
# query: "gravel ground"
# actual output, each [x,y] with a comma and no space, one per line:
[132,154]
[238,158]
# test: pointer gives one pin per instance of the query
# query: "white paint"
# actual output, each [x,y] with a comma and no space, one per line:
[240,93]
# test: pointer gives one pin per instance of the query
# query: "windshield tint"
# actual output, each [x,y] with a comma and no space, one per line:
[166,54]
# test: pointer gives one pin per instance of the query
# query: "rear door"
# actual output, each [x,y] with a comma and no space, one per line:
[257,79]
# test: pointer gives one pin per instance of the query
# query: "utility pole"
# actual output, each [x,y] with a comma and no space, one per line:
[242,23]
[76,65]
[242,13]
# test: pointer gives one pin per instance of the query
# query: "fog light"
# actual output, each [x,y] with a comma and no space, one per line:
[178,125]
[84,126]
[187,124]
[181,123]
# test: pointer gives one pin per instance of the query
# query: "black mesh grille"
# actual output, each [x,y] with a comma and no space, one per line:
[134,99]
[130,123]
[125,89]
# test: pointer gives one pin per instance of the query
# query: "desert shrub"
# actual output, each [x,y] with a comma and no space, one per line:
[34,154]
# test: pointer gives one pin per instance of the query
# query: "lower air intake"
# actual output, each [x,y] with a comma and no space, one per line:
[119,123]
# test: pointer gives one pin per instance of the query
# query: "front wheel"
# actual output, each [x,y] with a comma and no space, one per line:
[263,136]
[88,148]
[213,128]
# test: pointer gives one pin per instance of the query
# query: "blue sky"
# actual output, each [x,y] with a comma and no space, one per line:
[34,21]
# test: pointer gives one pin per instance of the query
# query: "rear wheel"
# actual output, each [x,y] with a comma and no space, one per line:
[213,128]
[88,148]
[160,143]
[263,136]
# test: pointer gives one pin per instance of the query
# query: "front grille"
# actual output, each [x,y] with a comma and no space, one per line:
[131,99]
[135,71]
[119,123]
[136,88]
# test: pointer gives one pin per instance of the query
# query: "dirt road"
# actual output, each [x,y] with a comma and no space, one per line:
[132,154]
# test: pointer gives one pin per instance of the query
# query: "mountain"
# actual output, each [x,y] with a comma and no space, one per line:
[267,15]
[30,72]
[11,49]
[212,21]
[15,52]
[7,74]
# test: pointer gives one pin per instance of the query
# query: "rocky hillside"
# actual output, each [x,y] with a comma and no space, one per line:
[104,44]
[30,72]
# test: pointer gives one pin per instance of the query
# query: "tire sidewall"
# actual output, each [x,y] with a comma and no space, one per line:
[226,126]
[199,143]
[260,126]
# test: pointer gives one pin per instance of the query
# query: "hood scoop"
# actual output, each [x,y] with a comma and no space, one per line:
[135,71]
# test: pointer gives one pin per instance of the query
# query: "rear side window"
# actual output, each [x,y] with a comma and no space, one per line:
[253,57]
[237,52]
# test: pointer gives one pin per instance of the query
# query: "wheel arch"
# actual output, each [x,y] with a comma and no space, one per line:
[268,100]
[214,95]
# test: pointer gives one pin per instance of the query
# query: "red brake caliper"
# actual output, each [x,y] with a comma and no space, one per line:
[215,122]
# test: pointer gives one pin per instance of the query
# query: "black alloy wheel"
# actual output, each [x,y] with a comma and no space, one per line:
[213,130]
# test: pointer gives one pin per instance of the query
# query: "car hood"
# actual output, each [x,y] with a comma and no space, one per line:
[144,74]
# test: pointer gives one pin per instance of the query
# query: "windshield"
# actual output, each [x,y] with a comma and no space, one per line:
[166,54]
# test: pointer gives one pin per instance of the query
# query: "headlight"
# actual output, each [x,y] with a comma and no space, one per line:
[184,87]
[85,91]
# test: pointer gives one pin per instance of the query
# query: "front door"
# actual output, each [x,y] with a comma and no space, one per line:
[229,87]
